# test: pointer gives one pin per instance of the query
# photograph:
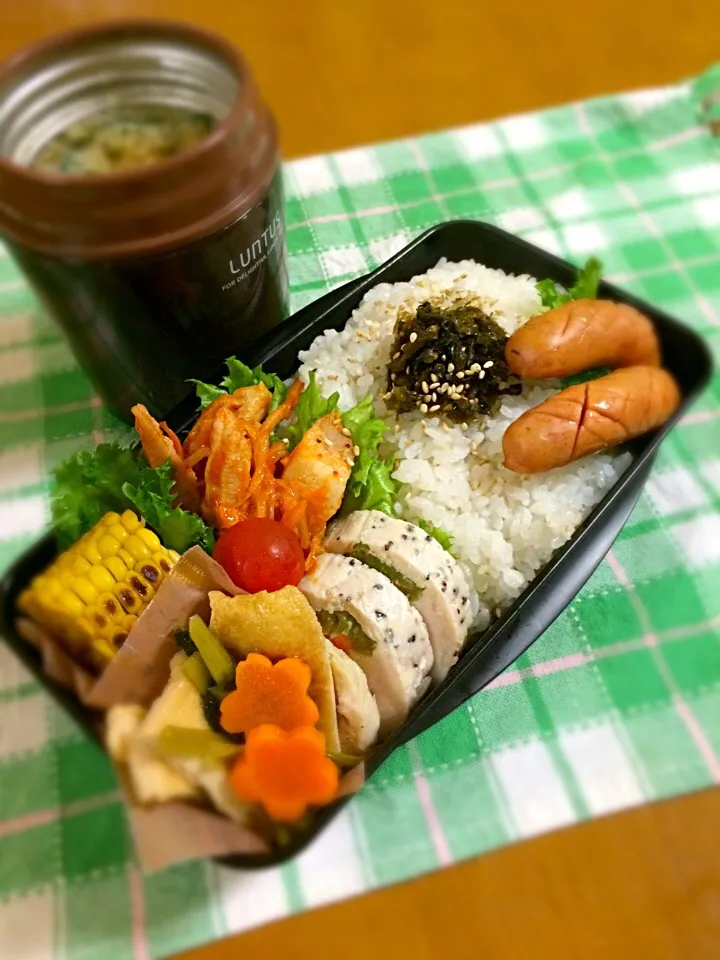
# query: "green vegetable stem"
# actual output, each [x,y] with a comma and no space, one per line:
[340,623]
[217,659]
[411,590]
[197,673]
[200,744]
[344,759]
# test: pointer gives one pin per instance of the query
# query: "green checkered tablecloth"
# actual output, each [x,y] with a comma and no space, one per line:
[617,704]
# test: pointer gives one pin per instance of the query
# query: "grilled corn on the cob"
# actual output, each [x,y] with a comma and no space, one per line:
[94,592]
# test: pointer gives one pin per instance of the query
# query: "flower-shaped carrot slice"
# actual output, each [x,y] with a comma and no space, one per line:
[285,772]
[269,693]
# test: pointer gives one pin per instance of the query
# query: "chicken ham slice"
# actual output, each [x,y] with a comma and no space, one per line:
[447,603]
[401,656]
[357,709]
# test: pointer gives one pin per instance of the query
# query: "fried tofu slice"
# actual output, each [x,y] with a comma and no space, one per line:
[132,737]
[180,705]
[151,779]
[280,624]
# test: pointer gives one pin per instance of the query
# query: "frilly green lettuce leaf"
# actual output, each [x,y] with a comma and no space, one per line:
[177,528]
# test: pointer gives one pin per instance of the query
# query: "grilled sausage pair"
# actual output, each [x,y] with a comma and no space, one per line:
[601,413]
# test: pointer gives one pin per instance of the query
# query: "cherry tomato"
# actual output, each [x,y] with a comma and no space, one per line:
[260,554]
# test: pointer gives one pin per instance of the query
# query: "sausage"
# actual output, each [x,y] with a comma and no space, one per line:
[589,417]
[580,335]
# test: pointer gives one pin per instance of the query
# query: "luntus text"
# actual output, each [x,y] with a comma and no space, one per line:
[259,247]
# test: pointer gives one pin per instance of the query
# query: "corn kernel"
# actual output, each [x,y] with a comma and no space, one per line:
[84,589]
[99,621]
[108,603]
[127,558]
[64,576]
[101,578]
[109,519]
[150,539]
[142,586]
[51,586]
[71,604]
[103,652]
[108,629]
[90,551]
[29,602]
[107,545]
[64,561]
[80,567]
[163,562]
[136,548]
[119,635]
[116,567]
[130,599]
[150,571]
[131,521]
[118,639]
[118,531]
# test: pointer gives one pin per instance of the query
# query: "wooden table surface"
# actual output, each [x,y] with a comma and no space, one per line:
[643,884]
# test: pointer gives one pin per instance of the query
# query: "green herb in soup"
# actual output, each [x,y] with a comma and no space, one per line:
[123,138]
[448,360]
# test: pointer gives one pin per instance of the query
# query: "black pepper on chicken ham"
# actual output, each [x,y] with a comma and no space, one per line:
[443,595]
[395,653]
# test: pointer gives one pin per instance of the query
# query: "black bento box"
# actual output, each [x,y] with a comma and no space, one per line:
[685,355]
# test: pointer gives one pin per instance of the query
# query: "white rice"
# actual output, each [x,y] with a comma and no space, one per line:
[505,526]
